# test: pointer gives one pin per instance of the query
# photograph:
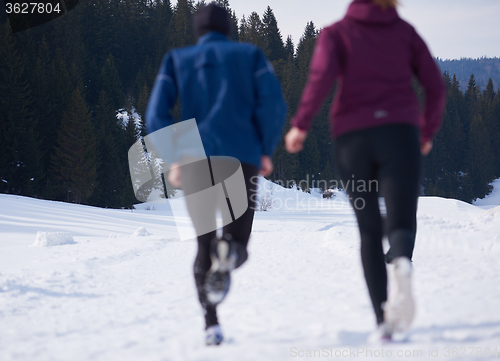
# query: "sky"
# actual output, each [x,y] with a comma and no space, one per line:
[452,28]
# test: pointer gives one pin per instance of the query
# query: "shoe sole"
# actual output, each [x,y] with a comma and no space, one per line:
[218,277]
[218,289]
[213,343]
[214,338]
[220,258]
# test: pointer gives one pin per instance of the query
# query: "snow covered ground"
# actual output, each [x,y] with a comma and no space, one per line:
[122,289]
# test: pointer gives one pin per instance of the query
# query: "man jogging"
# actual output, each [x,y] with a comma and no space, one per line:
[232,92]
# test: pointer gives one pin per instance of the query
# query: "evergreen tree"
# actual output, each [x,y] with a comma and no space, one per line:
[285,164]
[101,34]
[43,113]
[182,24]
[289,47]
[111,84]
[480,160]
[234,30]
[457,138]
[488,110]
[470,102]
[160,31]
[20,164]
[130,42]
[142,102]
[243,29]
[111,175]
[304,53]
[317,151]
[273,42]
[489,92]
[495,132]
[74,161]
[252,30]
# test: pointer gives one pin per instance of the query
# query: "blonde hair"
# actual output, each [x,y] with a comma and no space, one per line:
[386,3]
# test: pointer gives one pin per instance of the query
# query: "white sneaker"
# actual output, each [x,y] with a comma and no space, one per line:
[399,309]
[213,336]
[382,334]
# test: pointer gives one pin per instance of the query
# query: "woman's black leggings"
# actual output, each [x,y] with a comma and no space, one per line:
[382,161]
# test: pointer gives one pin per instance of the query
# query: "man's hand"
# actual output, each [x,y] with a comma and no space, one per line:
[426,147]
[294,140]
[266,165]
[174,175]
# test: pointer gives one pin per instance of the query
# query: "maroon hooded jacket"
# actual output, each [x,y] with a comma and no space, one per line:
[374,55]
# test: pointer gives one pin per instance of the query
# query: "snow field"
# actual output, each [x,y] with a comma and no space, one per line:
[113,295]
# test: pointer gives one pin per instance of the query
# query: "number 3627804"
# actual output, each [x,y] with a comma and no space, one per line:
[32,8]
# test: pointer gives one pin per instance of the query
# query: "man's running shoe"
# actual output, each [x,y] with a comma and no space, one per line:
[218,279]
[213,336]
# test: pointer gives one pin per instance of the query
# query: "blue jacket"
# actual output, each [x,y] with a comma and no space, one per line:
[232,92]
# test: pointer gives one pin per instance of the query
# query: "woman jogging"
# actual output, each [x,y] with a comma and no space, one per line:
[380,135]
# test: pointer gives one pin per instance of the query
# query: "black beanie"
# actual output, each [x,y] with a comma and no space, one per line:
[211,18]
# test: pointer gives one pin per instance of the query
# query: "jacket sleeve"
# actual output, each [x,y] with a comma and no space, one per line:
[163,97]
[270,108]
[324,69]
[429,76]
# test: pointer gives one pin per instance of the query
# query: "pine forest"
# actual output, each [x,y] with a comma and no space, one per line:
[63,83]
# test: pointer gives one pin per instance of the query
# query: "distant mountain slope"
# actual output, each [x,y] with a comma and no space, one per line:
[482,68]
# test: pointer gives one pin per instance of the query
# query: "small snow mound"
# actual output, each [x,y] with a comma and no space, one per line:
[141,232]
[47,239]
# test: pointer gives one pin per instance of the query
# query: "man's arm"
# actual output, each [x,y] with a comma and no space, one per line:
[163,97]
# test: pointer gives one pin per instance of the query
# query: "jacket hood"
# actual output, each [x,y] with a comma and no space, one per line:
[366,11]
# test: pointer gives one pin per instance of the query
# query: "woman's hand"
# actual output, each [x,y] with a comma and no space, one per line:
[294,140]
[426,147]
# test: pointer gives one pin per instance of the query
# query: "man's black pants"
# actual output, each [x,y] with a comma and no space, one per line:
[239,229]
